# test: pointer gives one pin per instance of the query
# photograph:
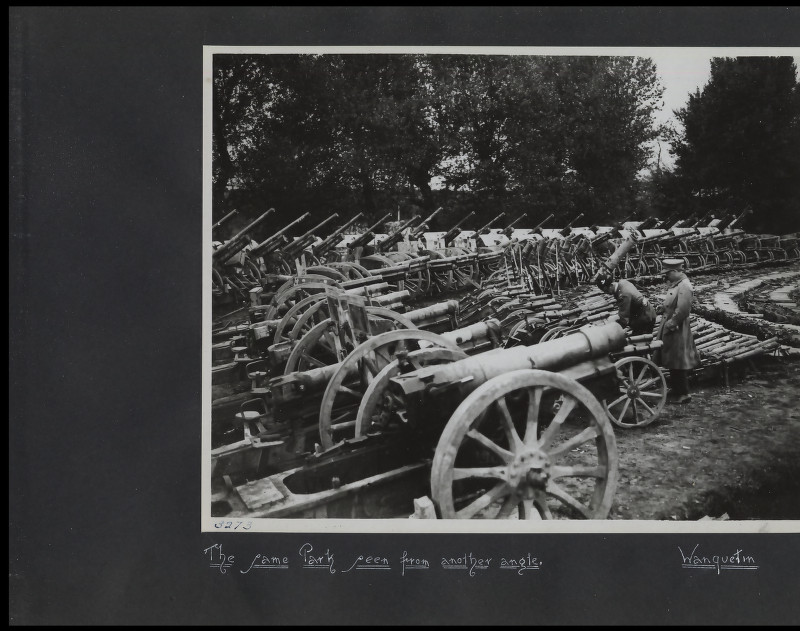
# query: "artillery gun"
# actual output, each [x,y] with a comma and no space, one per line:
[566,230]
[508,230]
[224,219]
[367,236]
[239,241]
[232,272]
[274,241]
[396,235]
[483,230]
[417,231]
[320,250]
[451,234]
[521,435]
[295,248]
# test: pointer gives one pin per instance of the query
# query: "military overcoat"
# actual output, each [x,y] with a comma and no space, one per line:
[678,351]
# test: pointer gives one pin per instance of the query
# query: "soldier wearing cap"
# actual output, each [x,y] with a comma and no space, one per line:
[678,352]
[634,309]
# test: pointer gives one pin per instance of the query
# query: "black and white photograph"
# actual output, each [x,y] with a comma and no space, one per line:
[424,316]
[463,288]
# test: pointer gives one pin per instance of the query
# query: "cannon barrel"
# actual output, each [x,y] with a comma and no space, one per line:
[686,221]
[622,249]
[317,379]
[396,235]
[365,238]
[648,223]
[584,345]
[705,219]
[543,221]
[225,218]
[330,240]
[439,309]
[740,218]
[569,225]
[669,221]
[510,227]
[272,242]
[656,238]
[568,228]
[455,230]
[238,241]
[294,248]
[725,238]
[485,228]
[669,238]
[601,238]
[252,225]
[304,240]
[417,231]
[722,221]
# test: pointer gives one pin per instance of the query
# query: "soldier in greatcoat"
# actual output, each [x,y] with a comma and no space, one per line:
[678,352]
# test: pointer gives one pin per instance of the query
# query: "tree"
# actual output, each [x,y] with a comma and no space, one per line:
[739,143]
[339,133]
[608,105]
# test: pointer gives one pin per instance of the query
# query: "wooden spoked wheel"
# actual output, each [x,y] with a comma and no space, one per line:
[347,386]
[353,271]
[378,404]
[418,281]
[642,393]
[553,333]
[298,311]
[291,292]
[531,444]
[318,346]
[218,283]
[309,318]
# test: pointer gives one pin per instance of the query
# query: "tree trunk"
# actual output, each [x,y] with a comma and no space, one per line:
[368,191]
[421,179]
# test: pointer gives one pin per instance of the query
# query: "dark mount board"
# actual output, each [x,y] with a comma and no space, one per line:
[105,231]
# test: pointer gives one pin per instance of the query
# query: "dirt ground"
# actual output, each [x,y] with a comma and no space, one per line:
[730,450]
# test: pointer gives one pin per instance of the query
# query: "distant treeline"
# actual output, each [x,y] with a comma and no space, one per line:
[409,133]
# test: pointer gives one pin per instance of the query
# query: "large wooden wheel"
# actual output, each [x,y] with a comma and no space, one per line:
[311,316]
[319,345]
[297,311]
[379,405]
[292,292]
[553,333]
[643,392]
[353,271]
[529,443]
[346,388]
[317,348]
[218,283]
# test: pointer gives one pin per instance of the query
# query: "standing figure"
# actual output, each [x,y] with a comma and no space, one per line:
[678,352]
[634,308]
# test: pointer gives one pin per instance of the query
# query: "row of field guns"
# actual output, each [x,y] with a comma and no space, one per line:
[546,260]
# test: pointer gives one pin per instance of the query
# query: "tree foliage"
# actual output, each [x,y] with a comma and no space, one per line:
[346,133]
[739,146]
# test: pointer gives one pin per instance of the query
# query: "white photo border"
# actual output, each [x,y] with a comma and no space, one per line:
[410,526]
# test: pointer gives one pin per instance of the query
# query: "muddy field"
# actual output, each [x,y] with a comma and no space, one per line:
[730,450]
